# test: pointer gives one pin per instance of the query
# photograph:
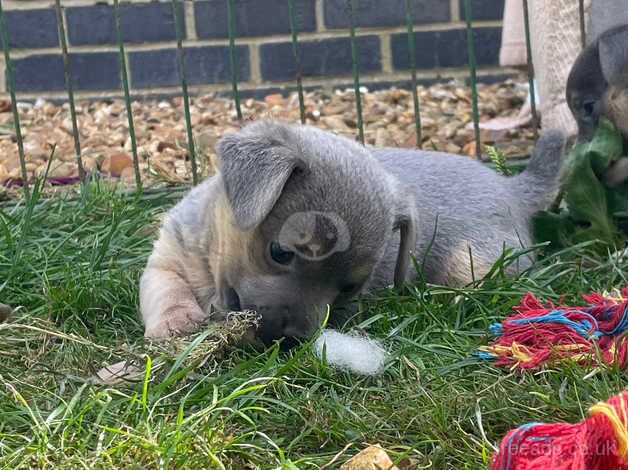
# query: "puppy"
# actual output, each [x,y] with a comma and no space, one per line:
[298,218]
[598,86]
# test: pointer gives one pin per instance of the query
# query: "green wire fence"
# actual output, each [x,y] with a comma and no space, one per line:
[127,96]
[11,86]
[232,33]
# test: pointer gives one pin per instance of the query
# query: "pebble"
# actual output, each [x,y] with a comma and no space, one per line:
[371,458]
[161,131]
[115,164]
[276,99]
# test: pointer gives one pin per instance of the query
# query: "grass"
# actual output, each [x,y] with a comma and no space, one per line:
[72,267]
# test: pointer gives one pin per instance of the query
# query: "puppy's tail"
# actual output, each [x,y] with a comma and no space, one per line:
[538,183]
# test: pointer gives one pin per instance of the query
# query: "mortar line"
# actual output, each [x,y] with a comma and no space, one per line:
[190,23]
[255,65]
[257,40]
[385,53]
[401,76]
[454,8]
[319,11]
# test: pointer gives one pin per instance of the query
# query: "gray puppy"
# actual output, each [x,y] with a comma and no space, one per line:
[598,86]
[298,218]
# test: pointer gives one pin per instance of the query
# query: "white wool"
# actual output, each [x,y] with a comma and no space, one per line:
[352,352]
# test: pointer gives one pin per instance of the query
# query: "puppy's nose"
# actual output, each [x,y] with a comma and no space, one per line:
[232,299]
[276,325]
[271,328]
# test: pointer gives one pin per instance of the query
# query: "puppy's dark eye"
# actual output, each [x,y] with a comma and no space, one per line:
[279,255]
[589,107]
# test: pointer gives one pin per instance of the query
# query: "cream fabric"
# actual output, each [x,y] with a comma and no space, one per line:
[555,33]
[513,50]
[555,29]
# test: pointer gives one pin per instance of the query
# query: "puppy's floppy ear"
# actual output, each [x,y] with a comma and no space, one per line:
[613,50]
[405,222]
[255,168]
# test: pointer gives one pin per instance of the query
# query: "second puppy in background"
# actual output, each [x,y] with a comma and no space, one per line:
[598,87]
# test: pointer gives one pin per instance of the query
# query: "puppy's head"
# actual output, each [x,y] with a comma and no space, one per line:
[305,219]
[586,86]
[598,81]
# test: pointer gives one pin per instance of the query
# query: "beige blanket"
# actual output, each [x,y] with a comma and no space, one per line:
[555,33]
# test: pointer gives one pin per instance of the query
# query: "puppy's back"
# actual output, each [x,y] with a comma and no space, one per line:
[442,182]
[465,187]
[465,206]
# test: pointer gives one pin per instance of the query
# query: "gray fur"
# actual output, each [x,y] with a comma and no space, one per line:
[388,198]
[470,206]
[254,172]
[605,15]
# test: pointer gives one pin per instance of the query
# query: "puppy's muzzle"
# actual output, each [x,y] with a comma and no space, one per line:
[287,311]
[277,323]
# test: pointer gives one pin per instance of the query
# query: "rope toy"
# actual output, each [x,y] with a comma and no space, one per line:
[598,442]
[536,335]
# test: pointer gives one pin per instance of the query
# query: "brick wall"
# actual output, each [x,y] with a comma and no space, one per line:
[264,50]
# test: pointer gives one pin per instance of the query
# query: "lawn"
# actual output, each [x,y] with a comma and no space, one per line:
[72,267]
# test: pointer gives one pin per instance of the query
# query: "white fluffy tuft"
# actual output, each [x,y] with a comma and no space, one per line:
[352,352]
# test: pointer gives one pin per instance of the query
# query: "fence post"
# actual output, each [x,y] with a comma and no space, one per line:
[127,96]
[70,88]
[415,94]
[297,57]
[233,60]
[16,117]
[530,67]
[184,90]
[583,33]
[355,57]
[472,68]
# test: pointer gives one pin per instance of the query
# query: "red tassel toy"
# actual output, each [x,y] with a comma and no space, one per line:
[537,335]
[599,442]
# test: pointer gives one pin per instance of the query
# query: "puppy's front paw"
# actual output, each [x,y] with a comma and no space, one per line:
[173,322]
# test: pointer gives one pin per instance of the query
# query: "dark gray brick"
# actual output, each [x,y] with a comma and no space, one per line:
[446,48]
[32,28]
[90,71]
[484,9]
[369,13]
[253,17]
[140,22]
[318,58]
[209,64]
